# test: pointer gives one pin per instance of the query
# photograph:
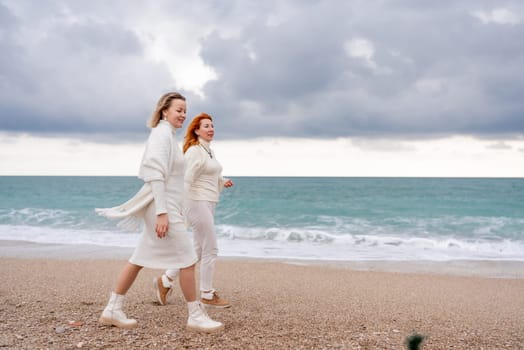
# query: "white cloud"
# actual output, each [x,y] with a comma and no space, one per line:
[361,48]
[447,157]
[500,145]
[281,12]
[364,49]
[498,16]
[251,53]
[180,53]
[34,155]
[429,86]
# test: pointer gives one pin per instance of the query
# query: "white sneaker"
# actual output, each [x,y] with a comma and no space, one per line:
[198,319]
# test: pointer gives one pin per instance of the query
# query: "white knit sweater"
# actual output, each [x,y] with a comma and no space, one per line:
[156,161]
[154,170]
[203,177]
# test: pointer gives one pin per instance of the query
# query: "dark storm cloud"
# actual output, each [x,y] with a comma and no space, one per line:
[432,71]
[65,74]
[293,68]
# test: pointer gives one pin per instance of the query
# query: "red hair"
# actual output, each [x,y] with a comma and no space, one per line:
[191,138]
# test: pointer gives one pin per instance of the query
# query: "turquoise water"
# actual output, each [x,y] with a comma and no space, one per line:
[310,218]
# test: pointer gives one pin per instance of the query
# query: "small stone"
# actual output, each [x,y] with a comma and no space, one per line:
[79,345]
[60,329]
[396,331]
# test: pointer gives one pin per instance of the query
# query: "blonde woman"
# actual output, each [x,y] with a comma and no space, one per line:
[203,185]
[164,242]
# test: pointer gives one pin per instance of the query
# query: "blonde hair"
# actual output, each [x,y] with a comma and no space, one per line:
[191,138]
[163,103]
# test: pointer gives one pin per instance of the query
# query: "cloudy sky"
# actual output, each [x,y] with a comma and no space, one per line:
[327,88]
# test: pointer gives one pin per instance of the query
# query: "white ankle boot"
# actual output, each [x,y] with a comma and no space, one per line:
[113,314]
[198,319]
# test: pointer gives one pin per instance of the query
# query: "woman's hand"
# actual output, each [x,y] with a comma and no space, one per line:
[228,183]
[162,225]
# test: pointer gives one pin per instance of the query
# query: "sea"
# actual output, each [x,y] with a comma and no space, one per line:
[310,218]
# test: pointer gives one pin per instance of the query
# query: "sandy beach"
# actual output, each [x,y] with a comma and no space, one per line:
[51,299]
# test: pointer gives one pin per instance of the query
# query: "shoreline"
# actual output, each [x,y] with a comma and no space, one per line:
[478,268]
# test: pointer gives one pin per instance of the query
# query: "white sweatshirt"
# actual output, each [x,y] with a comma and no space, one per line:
[159,157]
[203,177]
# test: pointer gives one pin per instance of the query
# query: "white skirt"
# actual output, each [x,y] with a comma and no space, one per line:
[174,251]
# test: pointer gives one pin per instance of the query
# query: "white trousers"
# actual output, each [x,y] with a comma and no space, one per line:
[201,217]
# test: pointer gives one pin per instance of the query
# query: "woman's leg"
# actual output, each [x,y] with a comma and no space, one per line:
[187,283]
[201,216]
[126,278]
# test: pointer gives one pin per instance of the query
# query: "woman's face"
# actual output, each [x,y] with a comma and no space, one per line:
[176,113]
[206,130]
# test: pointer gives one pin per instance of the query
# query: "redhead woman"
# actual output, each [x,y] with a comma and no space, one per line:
[203,185]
